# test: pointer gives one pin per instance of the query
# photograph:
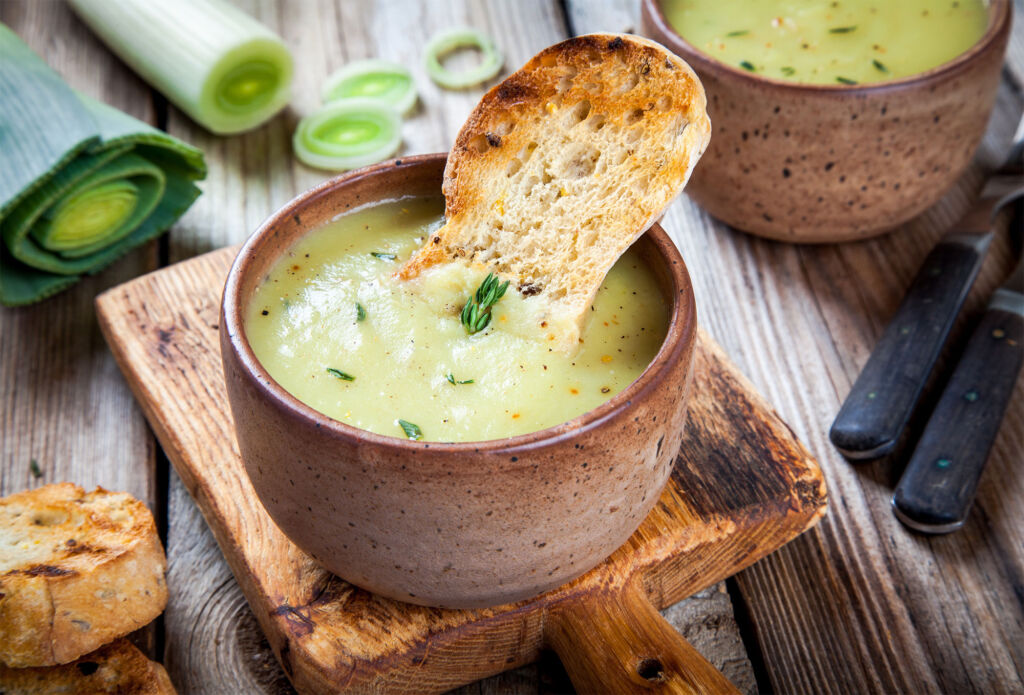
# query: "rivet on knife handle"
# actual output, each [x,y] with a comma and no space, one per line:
[938,485]
[878,406]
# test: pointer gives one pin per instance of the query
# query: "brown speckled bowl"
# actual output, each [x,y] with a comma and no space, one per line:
[824,163]
[459,525]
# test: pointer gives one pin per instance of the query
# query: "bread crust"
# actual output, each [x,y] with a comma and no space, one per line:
[118,667]
[567,162]
[77,570]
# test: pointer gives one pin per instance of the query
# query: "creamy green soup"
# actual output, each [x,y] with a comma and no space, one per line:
[830,42]
[333,326]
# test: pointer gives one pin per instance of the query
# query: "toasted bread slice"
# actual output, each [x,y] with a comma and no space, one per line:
[77,570]
[563,165]
[118,667]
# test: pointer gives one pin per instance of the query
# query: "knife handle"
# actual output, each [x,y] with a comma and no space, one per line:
[882,399]
[938,485]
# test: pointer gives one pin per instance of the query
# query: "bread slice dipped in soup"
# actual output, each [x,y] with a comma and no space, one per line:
[515,302]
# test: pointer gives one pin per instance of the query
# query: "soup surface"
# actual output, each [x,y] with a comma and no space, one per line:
[830,41]
[334,328]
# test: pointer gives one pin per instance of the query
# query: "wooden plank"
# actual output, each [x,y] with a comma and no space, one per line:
[201,644]
[63,402]
[741,486]
[861,604]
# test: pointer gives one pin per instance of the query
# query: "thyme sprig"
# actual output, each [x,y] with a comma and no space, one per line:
[383,255]
[476,315]
[842,30]
[455,382]
[360,312]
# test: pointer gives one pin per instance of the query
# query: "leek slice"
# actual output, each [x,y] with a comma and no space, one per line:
[348,134]
[388,82]
[220,66]
[81,183]
[450,40]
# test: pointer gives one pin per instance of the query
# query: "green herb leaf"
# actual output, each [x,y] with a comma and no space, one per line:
[879,65]
[741,32]
[453,381]
[412,430]
[845,80]
[340,374]
[747,65]
[842,30]
[788,71]
[476,314]
[384,256]
[360,312]
[33,466]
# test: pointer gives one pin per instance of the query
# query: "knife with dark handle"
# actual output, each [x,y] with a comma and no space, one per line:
[876,411]
[937,488]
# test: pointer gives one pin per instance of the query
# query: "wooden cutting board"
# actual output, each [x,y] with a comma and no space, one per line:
[742,487]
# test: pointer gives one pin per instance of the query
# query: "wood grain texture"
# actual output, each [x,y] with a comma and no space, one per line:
[253,174]
[615,642]
[860,604]
[63,402]
[741,487]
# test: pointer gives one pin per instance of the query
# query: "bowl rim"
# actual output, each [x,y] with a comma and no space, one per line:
[680,338]
[999,24]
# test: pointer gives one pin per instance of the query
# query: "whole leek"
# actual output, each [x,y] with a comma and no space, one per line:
[220,66]
[80,182]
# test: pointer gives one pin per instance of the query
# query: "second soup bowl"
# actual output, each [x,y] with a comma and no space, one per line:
[460,525]
[827,163]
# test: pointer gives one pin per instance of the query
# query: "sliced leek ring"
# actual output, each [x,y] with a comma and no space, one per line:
[450,40]
[388,82]
[348,134]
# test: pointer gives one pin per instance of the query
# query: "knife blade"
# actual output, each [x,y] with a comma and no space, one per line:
[937,488]
[879,405]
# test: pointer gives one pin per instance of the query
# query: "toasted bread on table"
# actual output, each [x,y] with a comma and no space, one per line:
[566,163]
[118,667]
[77,570]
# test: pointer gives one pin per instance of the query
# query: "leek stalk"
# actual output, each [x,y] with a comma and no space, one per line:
[220,66]
[80,182]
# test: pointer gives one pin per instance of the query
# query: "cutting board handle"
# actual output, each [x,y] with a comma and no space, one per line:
[615,641]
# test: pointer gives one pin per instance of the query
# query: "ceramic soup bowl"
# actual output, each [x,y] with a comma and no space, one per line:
[459,525]
[828,163]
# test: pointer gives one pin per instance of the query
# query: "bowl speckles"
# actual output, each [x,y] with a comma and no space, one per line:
[823,163]
[458,525]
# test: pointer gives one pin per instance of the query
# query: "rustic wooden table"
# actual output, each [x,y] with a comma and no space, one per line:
[857,605]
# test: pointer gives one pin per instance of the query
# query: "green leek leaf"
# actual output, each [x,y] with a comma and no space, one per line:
[81,183]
